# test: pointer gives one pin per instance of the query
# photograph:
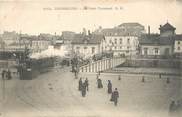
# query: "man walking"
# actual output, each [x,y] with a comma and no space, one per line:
[115,96]
[99,83]
[83,90]
[86,83]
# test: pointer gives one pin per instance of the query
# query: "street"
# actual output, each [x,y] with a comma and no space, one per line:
[55,94]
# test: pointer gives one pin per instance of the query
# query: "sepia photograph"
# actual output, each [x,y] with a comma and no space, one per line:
[90,58]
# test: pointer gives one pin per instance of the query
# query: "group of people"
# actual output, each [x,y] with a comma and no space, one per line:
[83,86]
[6,74]
[114,94]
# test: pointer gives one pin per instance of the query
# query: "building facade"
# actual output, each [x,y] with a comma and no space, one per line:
[87,45]
[158,45]
[123,39]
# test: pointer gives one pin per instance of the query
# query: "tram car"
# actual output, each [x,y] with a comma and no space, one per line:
[33,67]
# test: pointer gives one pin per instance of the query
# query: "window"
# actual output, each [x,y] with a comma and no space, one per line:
[120,47]
[115,41]
[128,47]
[128,41]
[178,42]
[145,51]
[156,51]
[120,41]
[85,47]
[115,47]
[93,50]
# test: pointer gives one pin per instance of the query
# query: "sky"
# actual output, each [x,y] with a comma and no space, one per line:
[35,17]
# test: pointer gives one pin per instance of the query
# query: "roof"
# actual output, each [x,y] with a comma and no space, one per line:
[88,39]
[167,26]
[130,24]
[155,39]
[178,37]
[67,35]
[34,38]
[119,32]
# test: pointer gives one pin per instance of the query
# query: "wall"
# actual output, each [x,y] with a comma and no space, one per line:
[102,65]
[88,51]
[121,47]
[161,49]
[152,63]
[176,45]
[167,33]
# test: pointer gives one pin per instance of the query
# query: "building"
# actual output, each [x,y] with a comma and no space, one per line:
[87,45]
[133,28]
[33,43]
[66,38]
[178,44]
[2,44]
[158,45]
[38,45]
[123,39]
[10,37]
[155,45]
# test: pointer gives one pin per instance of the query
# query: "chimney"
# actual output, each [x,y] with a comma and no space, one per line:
[84,31]
[149,30]
[89,32]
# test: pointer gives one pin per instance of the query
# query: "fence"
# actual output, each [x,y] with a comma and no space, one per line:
[102,65]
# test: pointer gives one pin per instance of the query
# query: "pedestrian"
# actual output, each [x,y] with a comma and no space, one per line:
[160,75]
[3,74]
[86,83]
[143,79]
[115,96]
[9,75]
[109,87]
[99,83]
[168,81]
[83,90]
[80,84]
[119,77]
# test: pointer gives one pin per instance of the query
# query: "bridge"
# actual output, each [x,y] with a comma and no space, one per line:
[102,65]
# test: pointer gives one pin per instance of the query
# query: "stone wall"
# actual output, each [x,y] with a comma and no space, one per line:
[156,63]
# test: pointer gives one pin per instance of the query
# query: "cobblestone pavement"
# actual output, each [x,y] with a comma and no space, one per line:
[55,94]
